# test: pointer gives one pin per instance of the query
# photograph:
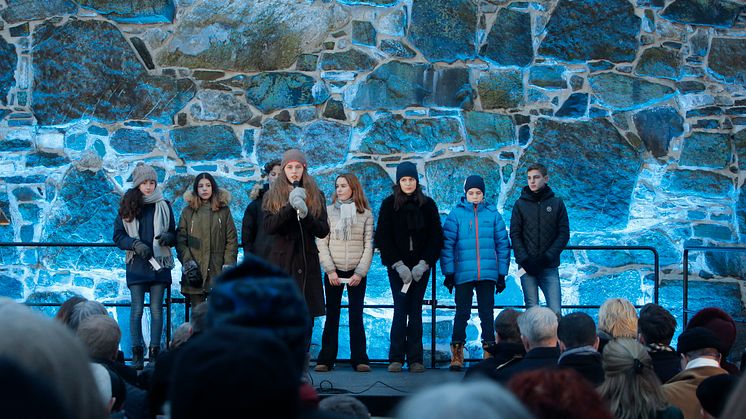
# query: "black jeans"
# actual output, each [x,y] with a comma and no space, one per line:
[485,306]
[330,337]
[137,293]
[406,326]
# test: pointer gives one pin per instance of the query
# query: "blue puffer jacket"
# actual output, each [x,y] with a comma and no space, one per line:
[476,244]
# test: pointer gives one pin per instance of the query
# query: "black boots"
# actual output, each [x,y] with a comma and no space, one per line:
[153,353]
[138,357]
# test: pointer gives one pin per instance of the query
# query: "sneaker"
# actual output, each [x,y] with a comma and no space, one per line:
[416,367]
[363,368]
[395,367]
[321,368]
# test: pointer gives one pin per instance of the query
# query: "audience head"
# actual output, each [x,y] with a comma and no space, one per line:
[506,326]
[656,325]
[21,391]
[558,393]
[618,318]
[100,334]
[736,404]
[63,314]
[259,296]
[631,386]
[229,370]
[719,322]
[538,326]
[699,342]
[51,353]
[348,406]
[199,318]
[575,330]
[181,335]
[83,310]
[468,400]
[713,393]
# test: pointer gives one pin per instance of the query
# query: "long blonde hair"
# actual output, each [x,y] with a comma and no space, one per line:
[617,317]
[279,191]
[358,196]
[631,386]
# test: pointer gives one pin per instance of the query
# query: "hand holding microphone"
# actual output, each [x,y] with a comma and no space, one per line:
[297,200]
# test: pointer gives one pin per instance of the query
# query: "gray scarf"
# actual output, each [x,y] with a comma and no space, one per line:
[347,217]
[161,221]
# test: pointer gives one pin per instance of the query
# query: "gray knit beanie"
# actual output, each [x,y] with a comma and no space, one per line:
[142,173]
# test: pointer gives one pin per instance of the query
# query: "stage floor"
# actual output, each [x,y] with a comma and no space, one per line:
[379,389]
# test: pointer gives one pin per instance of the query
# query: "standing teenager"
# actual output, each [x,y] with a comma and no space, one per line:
[145,228]
[295,214]
[255,239]
[539,230]
[345,256]
[410,238]
[475,257]
[207,236]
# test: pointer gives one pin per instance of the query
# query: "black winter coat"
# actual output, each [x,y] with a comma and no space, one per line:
[294,251]
[393,237]
[536,358]
[139,270]
[255,238]
[588,365]
[539,228]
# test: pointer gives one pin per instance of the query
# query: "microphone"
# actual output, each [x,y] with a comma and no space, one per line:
[296,184]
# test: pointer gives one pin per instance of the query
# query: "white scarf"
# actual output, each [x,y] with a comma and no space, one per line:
[161,221]
[347,217]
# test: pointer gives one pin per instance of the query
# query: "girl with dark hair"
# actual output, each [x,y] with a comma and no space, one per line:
[410,238]
[295,214]
[346,254]
[255,239]
[207,235]
[145,228]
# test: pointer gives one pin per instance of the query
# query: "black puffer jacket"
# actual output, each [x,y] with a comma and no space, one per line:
[539,228]
[255,238]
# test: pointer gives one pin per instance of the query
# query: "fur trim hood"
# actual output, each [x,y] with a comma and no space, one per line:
[223,199]
[258,190]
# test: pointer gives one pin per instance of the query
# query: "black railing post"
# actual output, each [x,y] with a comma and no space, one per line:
[656,275]
[433,317]
[685,288]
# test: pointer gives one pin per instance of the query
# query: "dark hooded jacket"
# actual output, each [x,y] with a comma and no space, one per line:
[539,228]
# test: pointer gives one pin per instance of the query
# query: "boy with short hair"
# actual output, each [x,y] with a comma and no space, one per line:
[539,231]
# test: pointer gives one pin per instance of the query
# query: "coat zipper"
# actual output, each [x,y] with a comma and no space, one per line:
[476,226]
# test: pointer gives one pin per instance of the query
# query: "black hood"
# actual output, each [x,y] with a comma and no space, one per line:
[541,195]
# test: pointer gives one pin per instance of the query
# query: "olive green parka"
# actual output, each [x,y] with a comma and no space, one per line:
[208,237]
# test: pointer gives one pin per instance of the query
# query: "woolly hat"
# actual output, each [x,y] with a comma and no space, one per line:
[231,371]
[713,393]
[474,181]
[698,338]
[257,295]
[142,173]
[719,322]
[407,168]
[293,155]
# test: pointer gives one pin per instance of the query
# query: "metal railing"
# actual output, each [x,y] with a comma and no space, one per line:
[432,303]
[685,285]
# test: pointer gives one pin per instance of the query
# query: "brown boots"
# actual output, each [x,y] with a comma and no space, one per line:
[457,357]
[486,346]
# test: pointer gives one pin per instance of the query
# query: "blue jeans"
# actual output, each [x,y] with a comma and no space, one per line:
[485,305]
[406,325]
[137,292]
[548,281]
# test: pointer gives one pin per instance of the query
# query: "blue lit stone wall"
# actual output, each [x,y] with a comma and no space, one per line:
[638,107]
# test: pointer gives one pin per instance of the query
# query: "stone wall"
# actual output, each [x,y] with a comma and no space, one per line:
[638,107]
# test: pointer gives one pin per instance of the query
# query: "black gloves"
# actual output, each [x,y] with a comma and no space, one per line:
[500,285]
[531,266]
[450,282]
[166,239]
[142,250]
